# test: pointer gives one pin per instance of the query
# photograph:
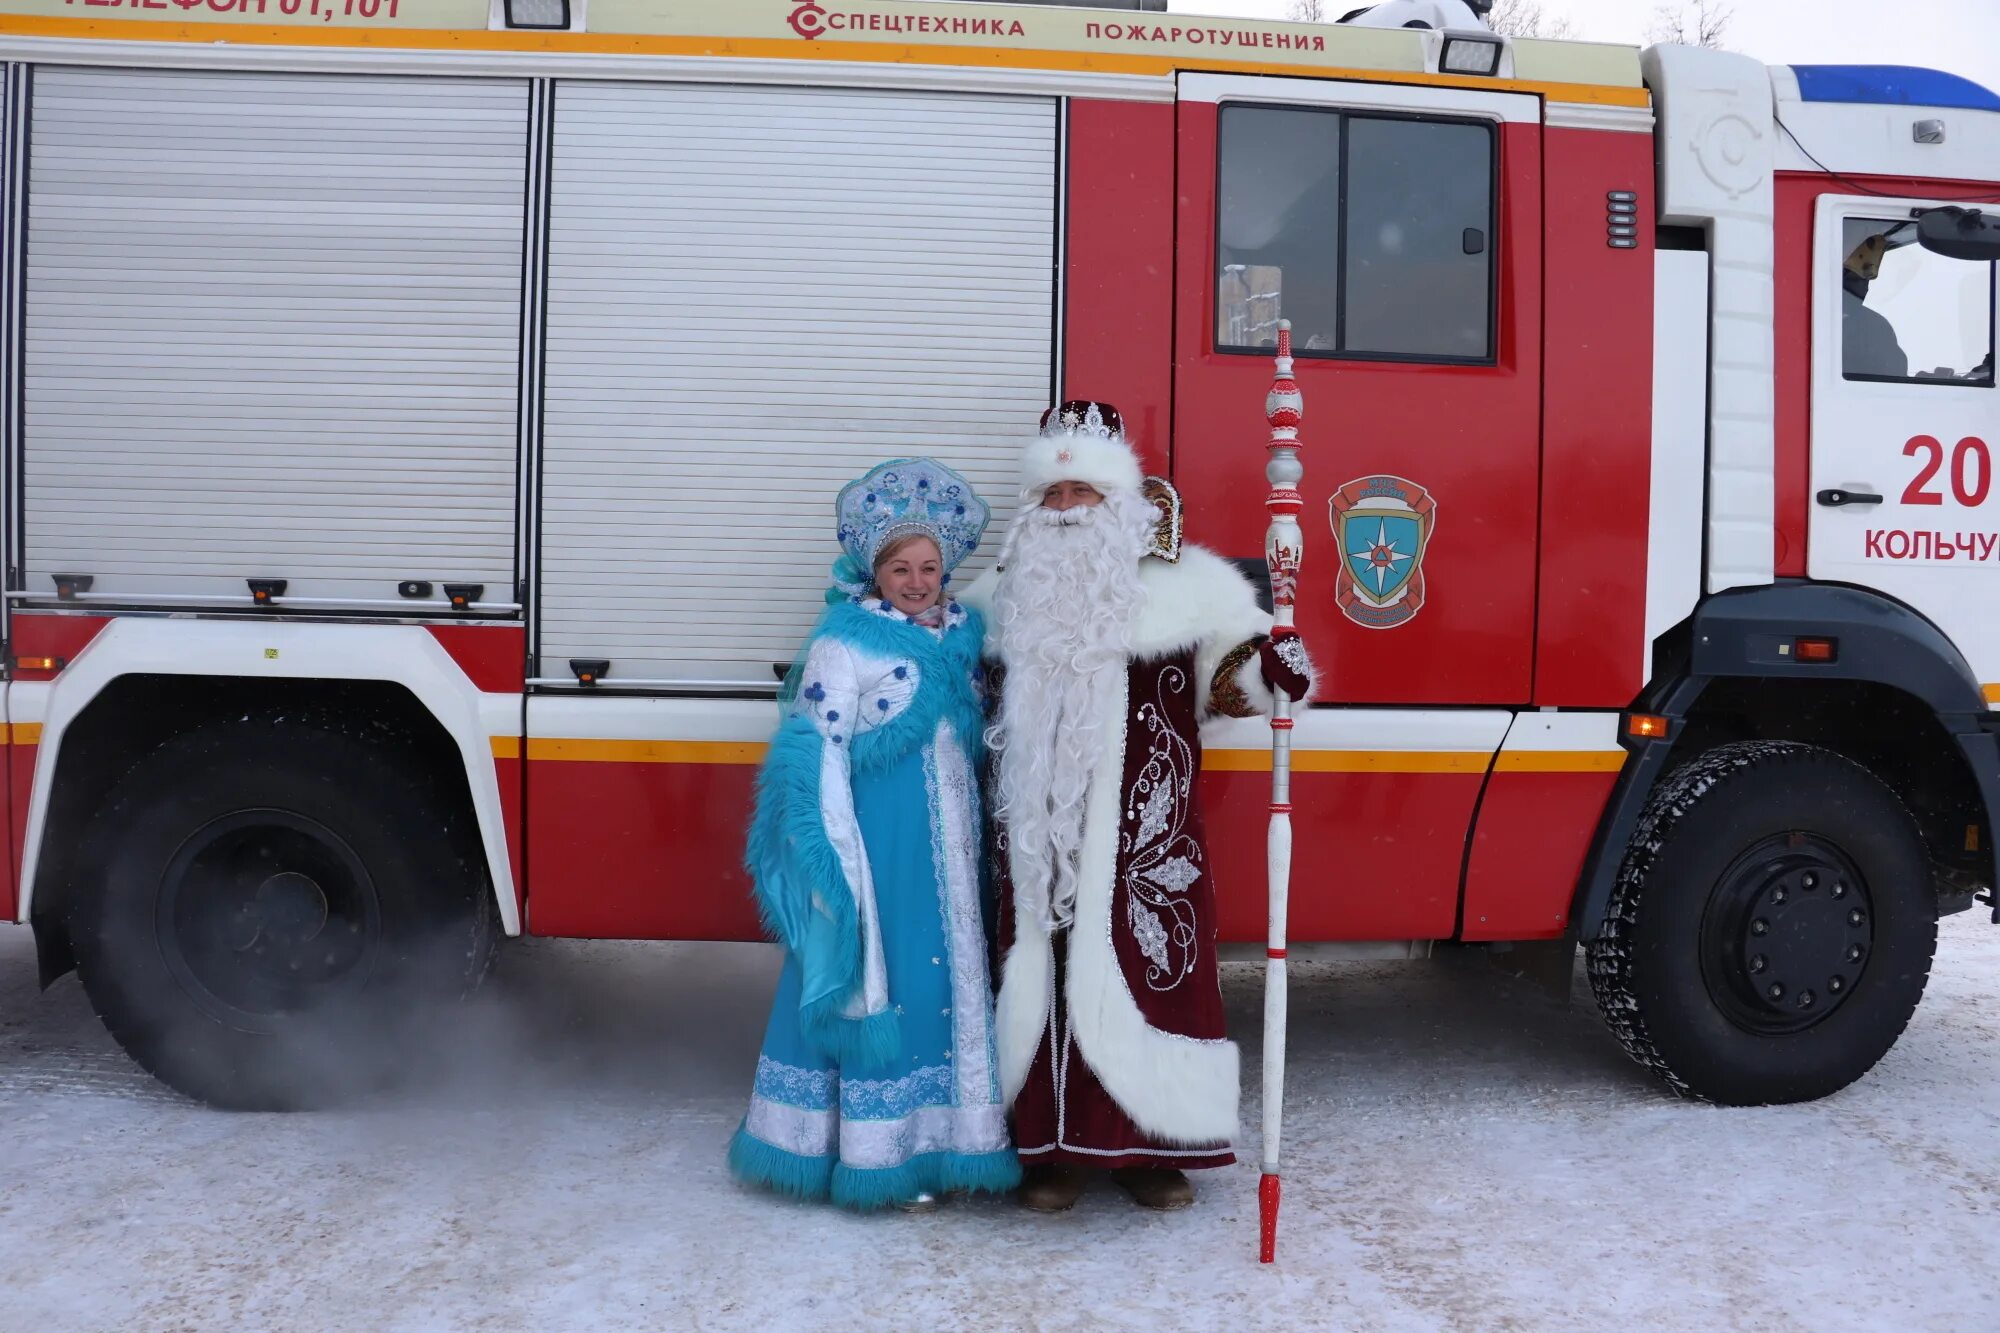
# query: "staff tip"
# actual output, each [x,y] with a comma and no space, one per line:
[1267,1219]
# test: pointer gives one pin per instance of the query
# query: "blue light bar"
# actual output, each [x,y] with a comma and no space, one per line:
[1892,85]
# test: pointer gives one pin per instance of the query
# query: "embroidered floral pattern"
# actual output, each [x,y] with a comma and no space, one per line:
[1166,497]
[1225,696]
[807,1089]
[896,1098]
[826,692]
[1175,874]
[1292,653]
[1153,819]
[847,692]
[953,792]
[1161,860]
[1152,936]
[802,1133]
[910,495]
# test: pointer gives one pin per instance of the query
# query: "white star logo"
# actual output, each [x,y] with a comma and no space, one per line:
[1381,556]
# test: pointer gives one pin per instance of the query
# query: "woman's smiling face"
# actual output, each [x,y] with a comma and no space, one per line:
[910,575]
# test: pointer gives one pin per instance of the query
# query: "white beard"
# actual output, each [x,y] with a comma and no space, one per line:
[1064,609]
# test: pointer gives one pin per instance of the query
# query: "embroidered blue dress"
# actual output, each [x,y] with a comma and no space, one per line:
[877,1080]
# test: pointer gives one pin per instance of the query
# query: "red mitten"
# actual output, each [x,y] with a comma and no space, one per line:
[1285,665]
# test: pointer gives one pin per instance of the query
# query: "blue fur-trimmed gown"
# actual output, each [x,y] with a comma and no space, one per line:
[878,1079]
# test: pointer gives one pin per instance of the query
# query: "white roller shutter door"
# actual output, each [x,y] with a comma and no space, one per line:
[754,295]
[273,331]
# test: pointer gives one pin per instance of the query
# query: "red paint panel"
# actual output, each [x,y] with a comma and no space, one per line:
[1119,279]
[1597,424]
[494,657]
[1527,854]
[1797,195]
[654,851]
[1471,435]
[639,851]
[1377,856]
[52,635]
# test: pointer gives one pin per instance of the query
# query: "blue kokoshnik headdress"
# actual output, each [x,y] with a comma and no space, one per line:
[902,498]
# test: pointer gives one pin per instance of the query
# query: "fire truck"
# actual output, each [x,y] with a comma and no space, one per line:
[420,421]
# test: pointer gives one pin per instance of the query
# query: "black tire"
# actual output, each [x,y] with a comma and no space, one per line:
[1771,929]
[265,910]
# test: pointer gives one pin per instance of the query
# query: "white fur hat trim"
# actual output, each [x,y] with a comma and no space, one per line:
[1102,460]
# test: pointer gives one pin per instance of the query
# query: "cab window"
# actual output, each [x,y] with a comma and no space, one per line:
[1909,315]
[1373,234]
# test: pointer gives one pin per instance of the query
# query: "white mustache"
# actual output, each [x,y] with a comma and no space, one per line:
[1073,517]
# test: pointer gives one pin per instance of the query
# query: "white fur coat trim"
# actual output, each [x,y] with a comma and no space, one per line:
[1182,1090]
[1026,1002]
[1203,600]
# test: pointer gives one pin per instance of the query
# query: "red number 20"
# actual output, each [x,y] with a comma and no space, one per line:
[1971,471]
[1971,450]
[1914,493]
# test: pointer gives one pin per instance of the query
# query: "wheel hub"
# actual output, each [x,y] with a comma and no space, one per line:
[1787,935]
[289,906]
[264,913]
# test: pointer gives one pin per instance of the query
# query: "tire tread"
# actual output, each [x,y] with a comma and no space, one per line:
[1609,958]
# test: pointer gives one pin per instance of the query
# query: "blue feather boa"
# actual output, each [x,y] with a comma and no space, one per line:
[801,891]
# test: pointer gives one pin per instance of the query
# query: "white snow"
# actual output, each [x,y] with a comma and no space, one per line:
[1462,1155]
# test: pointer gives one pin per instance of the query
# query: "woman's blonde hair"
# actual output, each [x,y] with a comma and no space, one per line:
[890,548]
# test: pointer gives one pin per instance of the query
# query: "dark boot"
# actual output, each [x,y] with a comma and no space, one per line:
[1051,1188]
[1155,1187]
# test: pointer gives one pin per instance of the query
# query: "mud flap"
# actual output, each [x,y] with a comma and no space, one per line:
[53,957]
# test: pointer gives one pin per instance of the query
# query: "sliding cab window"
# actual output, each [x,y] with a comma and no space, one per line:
[1908,314]
[1373,234]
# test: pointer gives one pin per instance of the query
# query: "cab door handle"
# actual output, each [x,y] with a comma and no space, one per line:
[1834,498]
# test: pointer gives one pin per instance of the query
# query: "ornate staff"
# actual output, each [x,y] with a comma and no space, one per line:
[1284,545]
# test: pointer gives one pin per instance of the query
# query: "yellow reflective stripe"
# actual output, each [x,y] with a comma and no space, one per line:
[1560,761]
[774,48]
[1992,693]
[1470,762]
[24,733]
[1349,761]
[646,752]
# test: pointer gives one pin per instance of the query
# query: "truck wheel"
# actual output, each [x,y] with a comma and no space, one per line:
[1771,930]
[266,910]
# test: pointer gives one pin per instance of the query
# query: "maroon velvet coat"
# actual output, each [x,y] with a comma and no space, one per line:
[1162,933]
[1110,1029]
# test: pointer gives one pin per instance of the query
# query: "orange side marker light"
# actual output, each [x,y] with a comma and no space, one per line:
[1646,726]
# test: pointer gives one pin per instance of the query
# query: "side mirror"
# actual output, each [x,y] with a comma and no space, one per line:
[1960,233]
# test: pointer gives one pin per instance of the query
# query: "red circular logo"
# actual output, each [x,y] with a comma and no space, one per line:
[808,19]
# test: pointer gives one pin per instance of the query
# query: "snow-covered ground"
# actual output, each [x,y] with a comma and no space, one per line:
[1463,1155]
